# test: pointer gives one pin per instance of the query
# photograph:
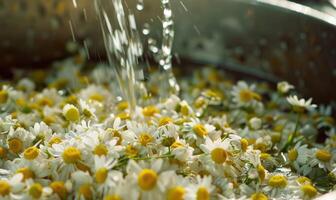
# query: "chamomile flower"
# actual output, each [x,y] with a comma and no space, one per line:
[199,131]
[10,187]
[139,134]
[42,132]
[322,158]
[181,150]
[83,185]
[299,156]
[283,87]
[67,158]
[202,189]
[18,140]
[217,150]
[276,184]
[148,179]
[104,176]
[244,95]
[35,190]
[300,105]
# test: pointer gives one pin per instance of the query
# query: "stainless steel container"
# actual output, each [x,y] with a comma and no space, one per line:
[269,39]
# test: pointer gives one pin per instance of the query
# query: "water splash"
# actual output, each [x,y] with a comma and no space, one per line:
[123,46]
[165,56]
[140,5]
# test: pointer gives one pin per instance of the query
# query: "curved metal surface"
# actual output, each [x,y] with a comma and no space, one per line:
[266,38]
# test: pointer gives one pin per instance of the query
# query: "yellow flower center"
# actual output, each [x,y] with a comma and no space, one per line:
[15,145]
[101,175]
[278,181]
[85,191]
[244,144]
[46,102]
[176,144]
[164,121]
[145,138]
[3,96]
[122,105]
[35,190]
[96,97]
[59,188]
[113,197]
[54,140]
[131,151]
[259,196]
[5,188]
[149,111]
[292,154]
[261,172]
[264,156]
[147,179]
[200,130]
[72,114]
[31,153]
[49,119]
[2,153]
[26,172]
[176,193]
[218,155]
[100,150]
[309,190]
[199,102]
[303,180]
[246,95]
[202,194]
[323,155]
[184,110]
[124,116]
[87,113]
[71,155]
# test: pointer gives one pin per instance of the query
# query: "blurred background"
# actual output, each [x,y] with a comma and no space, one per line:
[270,40]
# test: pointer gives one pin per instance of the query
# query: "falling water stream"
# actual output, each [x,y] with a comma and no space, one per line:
[124,47]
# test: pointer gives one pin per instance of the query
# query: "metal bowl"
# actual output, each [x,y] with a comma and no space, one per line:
[268,39]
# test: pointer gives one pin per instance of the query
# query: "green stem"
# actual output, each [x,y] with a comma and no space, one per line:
[292,136]
[122,161]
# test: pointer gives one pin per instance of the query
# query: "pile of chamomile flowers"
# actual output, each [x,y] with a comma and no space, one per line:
[65,133]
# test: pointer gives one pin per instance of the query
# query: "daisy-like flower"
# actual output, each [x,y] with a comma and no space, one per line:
[322,158]
[276,184]
[60,189]
[68,157]
[304,188]
[10,187]
[199,131]
[139,134]
[83,185]
[87,110]
[35,190]
[284,87]
[71,113]
[299,156]
[148,179]
[244,95]
[202,189]
[181,150]
[104,176]
[95,93]
[217,150]
[300,105]
[42,132]
[18,140]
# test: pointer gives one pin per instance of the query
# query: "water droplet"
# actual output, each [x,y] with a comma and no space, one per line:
[140,5]
[145,29]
